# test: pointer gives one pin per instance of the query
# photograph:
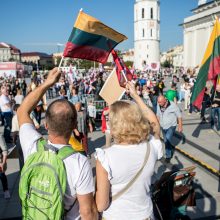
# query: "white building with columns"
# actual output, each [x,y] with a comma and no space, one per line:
[197,30]
[146,32]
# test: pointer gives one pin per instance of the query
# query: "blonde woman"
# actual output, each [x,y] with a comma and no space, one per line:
[132,158]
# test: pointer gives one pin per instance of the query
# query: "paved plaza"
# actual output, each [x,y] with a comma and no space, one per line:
[169,46]
[200,143]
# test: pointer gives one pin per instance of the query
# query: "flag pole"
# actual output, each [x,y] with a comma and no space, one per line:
[61,62]
[63,56]
[124,76]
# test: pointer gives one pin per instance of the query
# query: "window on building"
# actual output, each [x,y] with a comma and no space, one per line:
[151,13]
[142,12]
[143,32]
[151,32]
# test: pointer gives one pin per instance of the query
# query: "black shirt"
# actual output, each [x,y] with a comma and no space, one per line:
[216,99]
[156,90]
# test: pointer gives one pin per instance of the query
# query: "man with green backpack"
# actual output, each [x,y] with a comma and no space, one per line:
[56,182]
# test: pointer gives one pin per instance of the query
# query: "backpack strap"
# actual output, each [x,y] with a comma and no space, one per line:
[41,143]
[65,152]
[62,153]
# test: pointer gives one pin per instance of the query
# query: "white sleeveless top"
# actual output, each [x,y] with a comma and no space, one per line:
[122,162]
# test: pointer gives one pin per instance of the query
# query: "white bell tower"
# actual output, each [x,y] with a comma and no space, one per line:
[146,32]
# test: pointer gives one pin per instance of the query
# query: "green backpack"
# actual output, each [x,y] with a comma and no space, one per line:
[43,183]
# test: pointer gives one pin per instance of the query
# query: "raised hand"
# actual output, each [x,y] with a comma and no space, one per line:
[130,88]
[53,76]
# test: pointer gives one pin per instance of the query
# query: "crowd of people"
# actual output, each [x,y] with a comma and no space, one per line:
[132,130]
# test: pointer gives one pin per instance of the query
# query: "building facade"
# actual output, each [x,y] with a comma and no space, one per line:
[9,52]
[197,30]
[146,32]
[57,58]
[37,60]
[174,56]
[128,55]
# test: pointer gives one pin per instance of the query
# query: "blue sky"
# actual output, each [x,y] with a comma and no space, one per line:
[38,25]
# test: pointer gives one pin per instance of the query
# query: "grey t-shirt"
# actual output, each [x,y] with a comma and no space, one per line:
[168,117]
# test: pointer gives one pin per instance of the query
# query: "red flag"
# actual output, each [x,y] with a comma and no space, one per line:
[123,73]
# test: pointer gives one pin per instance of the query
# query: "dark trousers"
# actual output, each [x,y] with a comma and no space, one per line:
[37,115]
[154,103]
[7,125]
[193,108]
[50,93]
[20,153]
[24,92]
[2,119]
[4,181]
[167,136]
[204,104]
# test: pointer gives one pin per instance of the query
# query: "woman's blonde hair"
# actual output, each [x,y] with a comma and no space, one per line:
[127,123]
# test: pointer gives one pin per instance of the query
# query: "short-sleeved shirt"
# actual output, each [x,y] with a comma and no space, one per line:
[73,99]
[15,125]
[78,169]
[171,94]
[122,162]
[91,111]
[168,116]
[19,99]
[4,100]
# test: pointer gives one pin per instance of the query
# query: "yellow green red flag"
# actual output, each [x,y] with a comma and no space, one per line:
[91,39]
[210,66]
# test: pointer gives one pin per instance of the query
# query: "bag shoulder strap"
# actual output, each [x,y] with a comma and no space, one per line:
[65,152]
[41,143]
[62,153]
[135,177]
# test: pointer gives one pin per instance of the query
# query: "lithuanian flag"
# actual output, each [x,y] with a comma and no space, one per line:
[210,66]
[218,80]
[91,39]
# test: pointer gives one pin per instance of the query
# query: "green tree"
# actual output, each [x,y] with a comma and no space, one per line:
[166,64]
[87,64]
[11,59]
[129,64]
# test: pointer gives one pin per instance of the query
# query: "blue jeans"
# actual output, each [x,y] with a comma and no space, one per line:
[215,111]
[7,125]
[181,95]
[167,136]
[154,102]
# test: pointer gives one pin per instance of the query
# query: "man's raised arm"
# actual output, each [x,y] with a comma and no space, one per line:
[35,96]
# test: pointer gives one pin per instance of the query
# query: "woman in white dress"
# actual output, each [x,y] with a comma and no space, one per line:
[187,94]
[132,158]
